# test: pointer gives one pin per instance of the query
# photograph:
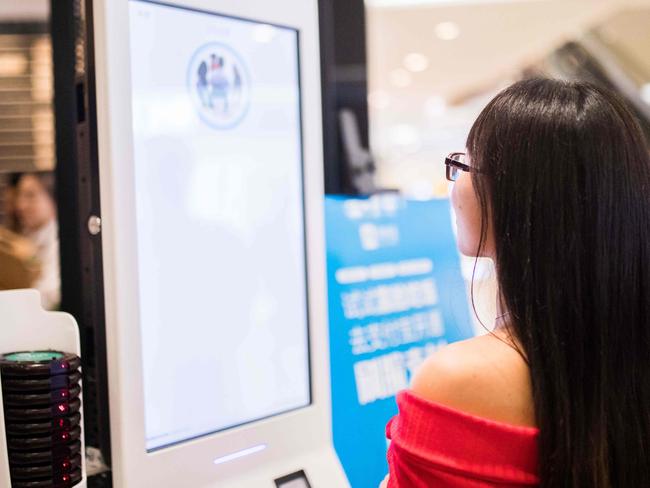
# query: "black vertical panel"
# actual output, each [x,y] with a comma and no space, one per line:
[63,51]
[333,171]
[344,82]
[350,30]
[78,195]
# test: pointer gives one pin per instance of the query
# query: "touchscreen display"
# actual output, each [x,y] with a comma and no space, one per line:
[220,220]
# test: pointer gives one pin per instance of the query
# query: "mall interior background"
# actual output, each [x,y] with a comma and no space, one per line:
[431,66]
[427,69]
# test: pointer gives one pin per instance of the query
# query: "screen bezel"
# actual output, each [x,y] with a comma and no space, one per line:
[305,258]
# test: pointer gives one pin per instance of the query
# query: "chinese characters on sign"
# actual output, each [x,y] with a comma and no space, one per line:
[395,296]
[383,376]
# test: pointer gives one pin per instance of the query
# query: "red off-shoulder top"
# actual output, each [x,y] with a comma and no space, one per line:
[436,446]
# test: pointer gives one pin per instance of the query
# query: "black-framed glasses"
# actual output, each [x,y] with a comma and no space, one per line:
[455,163]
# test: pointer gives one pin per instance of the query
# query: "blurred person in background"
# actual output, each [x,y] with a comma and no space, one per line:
[19,264]
[35,219]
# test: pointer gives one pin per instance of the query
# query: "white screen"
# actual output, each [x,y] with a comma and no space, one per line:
[219,197]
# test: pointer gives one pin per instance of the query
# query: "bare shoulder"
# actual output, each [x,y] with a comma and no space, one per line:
[482,376]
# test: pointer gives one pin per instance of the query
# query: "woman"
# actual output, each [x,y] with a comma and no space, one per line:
[555,188]
[36,218]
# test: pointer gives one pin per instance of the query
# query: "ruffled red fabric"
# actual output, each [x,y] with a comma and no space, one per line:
[436,446]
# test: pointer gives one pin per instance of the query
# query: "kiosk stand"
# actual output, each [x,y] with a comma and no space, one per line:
[27,327]
[210,162]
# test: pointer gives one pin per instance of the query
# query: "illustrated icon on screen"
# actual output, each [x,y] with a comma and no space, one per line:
[219,85]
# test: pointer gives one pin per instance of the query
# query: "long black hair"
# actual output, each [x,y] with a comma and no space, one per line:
[563,172]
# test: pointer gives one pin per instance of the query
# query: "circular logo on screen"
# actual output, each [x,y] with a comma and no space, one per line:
[219,85]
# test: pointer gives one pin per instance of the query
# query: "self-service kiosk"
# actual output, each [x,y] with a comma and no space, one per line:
[210,163]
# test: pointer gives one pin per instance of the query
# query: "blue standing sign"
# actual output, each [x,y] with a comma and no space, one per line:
[396,295]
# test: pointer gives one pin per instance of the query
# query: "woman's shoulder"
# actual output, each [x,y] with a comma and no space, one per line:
[484,376]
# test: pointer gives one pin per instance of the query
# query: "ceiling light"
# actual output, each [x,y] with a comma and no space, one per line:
[416,62]
[404,135]
[400,78]
[378,100]
[435,106]
[447,31]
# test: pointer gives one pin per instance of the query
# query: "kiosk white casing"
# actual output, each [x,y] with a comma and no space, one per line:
[298,440]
